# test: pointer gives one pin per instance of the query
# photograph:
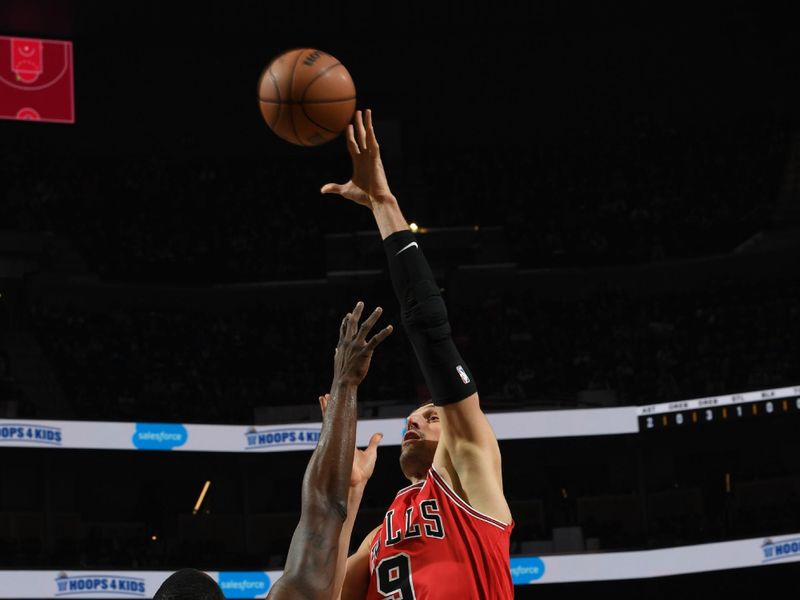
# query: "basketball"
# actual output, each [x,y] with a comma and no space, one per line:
[307,96]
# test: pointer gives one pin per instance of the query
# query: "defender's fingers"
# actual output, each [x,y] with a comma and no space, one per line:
[356,315]
[374,441]
[379,337]
[367,325]
[343,327]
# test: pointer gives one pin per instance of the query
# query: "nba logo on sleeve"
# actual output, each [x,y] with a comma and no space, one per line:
[463,374]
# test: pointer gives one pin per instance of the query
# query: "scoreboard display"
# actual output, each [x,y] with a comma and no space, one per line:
[36,82]
[716,409]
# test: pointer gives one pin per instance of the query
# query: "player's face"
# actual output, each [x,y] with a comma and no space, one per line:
[423,423]
[420,440]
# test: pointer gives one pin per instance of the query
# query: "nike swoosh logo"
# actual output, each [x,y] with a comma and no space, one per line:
[406,248]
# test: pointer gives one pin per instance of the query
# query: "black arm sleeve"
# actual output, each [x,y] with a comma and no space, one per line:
[425,319]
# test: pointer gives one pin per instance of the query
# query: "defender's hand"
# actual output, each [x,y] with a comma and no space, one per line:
[353,353]
[363,460]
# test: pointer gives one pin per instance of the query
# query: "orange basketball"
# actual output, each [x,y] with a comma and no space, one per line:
[307,97]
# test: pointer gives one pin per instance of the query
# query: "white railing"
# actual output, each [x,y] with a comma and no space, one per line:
[525,570]
[104,435]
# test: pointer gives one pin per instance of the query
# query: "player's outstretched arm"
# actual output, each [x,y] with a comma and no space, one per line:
[311,564]
[468,453]
[468,450]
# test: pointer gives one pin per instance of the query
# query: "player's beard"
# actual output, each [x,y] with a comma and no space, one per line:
[416,458]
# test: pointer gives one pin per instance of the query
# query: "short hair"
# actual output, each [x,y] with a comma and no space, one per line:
[422,405]
[189,584]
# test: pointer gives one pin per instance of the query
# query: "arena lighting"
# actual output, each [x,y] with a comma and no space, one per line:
[200,499]
[415,228]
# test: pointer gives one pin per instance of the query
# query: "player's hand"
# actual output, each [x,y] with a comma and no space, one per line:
[363,460]
[353,352]
[368,185]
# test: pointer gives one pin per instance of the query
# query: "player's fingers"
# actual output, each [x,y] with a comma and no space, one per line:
[379,337]
[331,188]
[371,140]
[352,146]
[361,134]
[367,325]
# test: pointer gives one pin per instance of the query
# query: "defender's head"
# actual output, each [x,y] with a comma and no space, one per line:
[419,443]
[189,584]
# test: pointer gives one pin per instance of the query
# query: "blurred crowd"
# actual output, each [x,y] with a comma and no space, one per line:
[186,365]
[191,366]
[643,349]
[13,399]
[646,194]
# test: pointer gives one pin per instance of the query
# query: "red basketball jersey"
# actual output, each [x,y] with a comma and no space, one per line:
[434,546]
